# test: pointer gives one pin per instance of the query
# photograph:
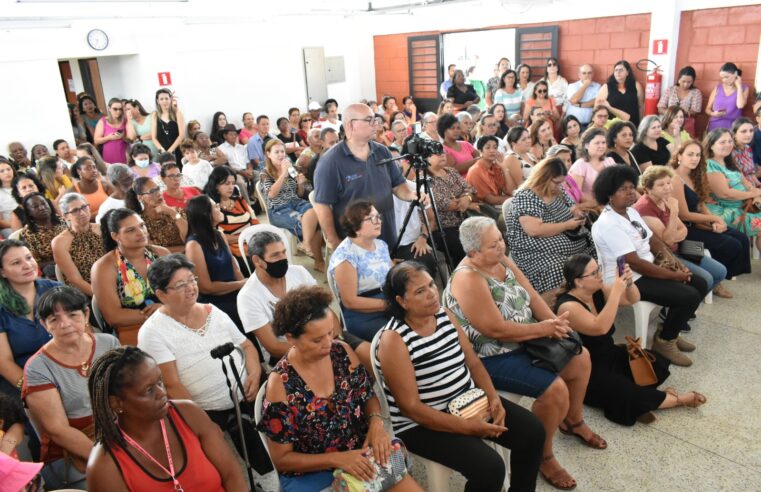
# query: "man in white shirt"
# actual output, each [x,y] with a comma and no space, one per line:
[270,281]
[581,96]
[236,153]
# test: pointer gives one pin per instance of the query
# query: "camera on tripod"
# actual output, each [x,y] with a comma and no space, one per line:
[419,149]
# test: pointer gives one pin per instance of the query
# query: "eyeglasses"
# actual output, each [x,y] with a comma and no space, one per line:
[596,273]
[75,211]
[541,91]
[370,120]
[552,64]
[305,120]
[640,228]
[185,285]
[174,176]
[374,219]
[151,192]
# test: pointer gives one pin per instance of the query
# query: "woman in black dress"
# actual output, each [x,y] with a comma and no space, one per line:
[591,308]
[461,94]
[168,124]
[622,95]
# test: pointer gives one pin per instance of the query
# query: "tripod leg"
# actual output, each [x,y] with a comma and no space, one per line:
[427,188]
[238,417]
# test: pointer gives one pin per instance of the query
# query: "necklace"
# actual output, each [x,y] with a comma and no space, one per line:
[170,471]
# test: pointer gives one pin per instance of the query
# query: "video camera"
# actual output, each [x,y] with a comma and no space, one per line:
[419,149]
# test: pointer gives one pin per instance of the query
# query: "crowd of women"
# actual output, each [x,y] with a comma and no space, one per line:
[120,253]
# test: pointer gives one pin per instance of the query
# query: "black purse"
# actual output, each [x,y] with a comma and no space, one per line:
[692,251]
[553,354]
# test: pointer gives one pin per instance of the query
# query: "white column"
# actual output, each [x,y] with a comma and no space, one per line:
[664,25]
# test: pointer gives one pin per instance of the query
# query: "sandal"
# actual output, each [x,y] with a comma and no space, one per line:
[595,441]
[303,250]
[720,291]
[560,479]
[697,400]
[671,391]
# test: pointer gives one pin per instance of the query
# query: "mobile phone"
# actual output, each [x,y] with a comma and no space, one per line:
[418,128]
[236,193]
[620,264]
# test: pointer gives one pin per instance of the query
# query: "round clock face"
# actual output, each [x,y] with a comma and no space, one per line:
[97,39]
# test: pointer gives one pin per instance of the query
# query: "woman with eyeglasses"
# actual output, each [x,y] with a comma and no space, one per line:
[90,184]
[120,276]
[305,124]
[540,99]
[621,232]
[111,133]
[167,226]
[509,94]
[176,193]
[622,94]
[76,249]
[358,269]
[556,83]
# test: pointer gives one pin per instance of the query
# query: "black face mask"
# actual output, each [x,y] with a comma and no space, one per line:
[277,269]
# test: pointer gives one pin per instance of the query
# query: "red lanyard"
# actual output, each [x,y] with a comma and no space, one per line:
[170,471]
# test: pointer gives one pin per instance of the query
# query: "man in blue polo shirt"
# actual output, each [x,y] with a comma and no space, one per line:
[350,171]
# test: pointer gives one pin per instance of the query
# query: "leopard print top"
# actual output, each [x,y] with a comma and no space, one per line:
[86,247]
[163,230]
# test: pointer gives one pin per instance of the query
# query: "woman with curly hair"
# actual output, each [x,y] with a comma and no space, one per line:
[728,246]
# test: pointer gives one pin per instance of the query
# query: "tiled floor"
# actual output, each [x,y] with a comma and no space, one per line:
[715,447]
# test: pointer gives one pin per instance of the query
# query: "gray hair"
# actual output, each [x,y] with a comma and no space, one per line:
[396,122]
[313,132]
[258,243]
[644,126]
[67,199]
[463,115]
[558,149]
[474,110]
[427,116]
[472,232]
[115,171]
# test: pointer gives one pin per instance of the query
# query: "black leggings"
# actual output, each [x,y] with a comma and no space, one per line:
[481,465]
[681,299]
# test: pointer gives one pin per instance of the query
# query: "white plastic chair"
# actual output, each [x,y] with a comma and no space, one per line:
[292,239]
[59,275]
[328,249]
[709,297]
[253,229]
[16,235]
[334,291]
[258,404]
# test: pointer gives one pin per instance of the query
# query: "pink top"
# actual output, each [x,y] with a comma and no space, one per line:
[114,151]
[572,189]
[585,170]
[465,154]
[245,134]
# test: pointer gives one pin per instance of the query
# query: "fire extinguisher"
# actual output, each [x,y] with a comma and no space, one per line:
[653,90]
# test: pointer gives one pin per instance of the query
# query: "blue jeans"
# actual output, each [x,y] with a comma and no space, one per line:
[364,325]
[288,215]
[513,372]
[709,269]
[58,475]
[308,482]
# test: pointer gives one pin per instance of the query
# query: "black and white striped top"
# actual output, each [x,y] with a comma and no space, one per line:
[439,365]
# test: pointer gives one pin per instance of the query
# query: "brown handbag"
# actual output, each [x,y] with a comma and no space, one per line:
[640,363]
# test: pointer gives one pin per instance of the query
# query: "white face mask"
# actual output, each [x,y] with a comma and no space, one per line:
[142,163]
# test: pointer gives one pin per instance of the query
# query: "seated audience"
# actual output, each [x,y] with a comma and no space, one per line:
[727,99]
[23,185]
[742,132]
[518,313]
[286,209]
[248,130]
[21,333]
[727,245]
[238,214]
[218,122]
[622,232]
[194,168]
[660,210]
[51,173]
[600,118]
[306,438]
[685,95]
[18,157]
[399,129]
[487,178]
[620,139]
[672,128]
[544,227]
[175,193]
[651,148]
[219,276]
[570,130]
[460,154]
[519,160]
[540,133]
[500,114]
[592,160]
[38,152]
[445,107]
[120,277]
[79,246]
[730,191]
[206,151]
[55,386]
[422,346]
[179,337]
[65,154]
[234,152]
[88,150]
[487,127]
[121,178]
[570,187]
[167,226]
[358,269]
[411,115]
[430,127]
[42,224]
[127,422]
[89,183]
[592,306]
[540,99]
[12,419]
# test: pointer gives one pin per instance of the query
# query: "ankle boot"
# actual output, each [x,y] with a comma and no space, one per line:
[669,350]
[684,345]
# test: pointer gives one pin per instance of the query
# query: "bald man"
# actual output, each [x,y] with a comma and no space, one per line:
[581,96]
[351,171]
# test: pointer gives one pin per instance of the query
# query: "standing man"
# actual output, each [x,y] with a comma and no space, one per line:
[351,171]
[447,83]
[255,146]
[581,96]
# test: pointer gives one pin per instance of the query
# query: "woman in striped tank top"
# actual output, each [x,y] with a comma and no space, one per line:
[442,365]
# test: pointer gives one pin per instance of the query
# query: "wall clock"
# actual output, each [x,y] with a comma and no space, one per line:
[97,39]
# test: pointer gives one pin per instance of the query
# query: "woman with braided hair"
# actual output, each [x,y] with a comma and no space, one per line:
[144,441]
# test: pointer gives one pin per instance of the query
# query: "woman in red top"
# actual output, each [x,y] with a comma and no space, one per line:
[174,194]
[146,442]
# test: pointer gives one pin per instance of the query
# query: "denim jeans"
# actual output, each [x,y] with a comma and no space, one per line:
[709,269]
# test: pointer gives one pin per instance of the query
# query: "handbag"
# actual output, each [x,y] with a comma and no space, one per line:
[385,476]
[469,403]
[692,251]
[640,363]
[553,354]
[664,258]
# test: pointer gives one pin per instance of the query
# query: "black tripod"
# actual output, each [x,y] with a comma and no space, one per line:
[422,178]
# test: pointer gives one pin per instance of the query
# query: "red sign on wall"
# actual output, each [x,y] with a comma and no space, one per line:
[165,78]
[660,46]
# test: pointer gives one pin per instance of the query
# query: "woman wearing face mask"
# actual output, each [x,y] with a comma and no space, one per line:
[42,225]
[166,225]
[685,95]
[742,132]
[727,99]
[90,184]
[140,162]
[111,133]
[168,124]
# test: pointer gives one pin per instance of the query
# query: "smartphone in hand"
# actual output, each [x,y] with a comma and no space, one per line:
[620,264]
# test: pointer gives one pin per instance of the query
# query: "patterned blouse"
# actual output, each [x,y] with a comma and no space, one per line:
[236,219]
[287,193]
[452,185]
[693,102]
[163,229]
[744,159]
[39,242]
[86,248]
[371,266]
[132,288]
[512,300]
[316,425]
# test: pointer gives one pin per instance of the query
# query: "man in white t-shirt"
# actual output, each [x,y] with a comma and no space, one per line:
[270,281]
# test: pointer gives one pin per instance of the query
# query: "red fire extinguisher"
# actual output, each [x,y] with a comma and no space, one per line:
[653,90]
